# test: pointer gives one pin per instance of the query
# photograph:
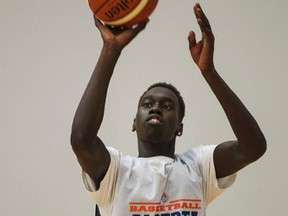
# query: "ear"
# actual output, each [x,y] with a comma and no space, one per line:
[133,126]
[180,130]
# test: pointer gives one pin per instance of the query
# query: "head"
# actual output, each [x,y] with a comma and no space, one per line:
[160,113]
[174,90]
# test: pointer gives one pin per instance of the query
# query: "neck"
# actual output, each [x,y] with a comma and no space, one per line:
[150,149]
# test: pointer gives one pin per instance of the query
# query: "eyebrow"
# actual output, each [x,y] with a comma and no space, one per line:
[163,98]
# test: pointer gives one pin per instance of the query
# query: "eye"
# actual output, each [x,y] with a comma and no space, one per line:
[167,107]
[147,104]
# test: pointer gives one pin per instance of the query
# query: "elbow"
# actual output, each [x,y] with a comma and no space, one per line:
[259,149]
[262,146]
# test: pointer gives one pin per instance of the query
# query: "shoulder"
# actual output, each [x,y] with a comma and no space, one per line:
[117,154]
[199,157]
[119,158]
[198,152]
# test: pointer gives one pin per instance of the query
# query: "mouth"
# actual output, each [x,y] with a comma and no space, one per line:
[154,120]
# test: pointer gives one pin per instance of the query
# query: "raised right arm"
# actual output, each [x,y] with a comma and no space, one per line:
[88,147]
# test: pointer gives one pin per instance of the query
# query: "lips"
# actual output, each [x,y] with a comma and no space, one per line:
[154,120]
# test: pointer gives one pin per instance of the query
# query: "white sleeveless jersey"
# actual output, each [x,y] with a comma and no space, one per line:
[158,186]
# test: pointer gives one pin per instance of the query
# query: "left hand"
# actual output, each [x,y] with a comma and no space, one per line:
[202,51]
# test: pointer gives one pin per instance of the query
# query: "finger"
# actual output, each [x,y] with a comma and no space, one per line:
[116,30]
[97,22]
[202,18]
[191,39]
[140,26]
[194,47]
[203,26]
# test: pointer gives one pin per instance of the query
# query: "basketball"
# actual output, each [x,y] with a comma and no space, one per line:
[124,13]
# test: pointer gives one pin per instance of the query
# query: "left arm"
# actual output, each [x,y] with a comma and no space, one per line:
[230,156]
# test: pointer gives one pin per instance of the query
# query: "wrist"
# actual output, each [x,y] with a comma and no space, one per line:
[111,49]
[209,73]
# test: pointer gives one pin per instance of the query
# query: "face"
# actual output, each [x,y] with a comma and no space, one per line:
[157,118]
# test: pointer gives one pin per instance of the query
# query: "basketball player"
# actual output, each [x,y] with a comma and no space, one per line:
[158,181]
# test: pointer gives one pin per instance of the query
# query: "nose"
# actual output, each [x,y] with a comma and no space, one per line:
[155,110]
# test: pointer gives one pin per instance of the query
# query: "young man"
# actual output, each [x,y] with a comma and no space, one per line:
[158,182]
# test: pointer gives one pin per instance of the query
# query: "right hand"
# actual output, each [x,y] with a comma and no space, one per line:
[118,37]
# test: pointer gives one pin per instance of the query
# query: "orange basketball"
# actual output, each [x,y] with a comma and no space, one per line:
[122,12]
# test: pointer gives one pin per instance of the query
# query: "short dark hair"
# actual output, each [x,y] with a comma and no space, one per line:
[174,90]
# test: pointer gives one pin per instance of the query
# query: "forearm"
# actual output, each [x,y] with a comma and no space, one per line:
[90,111]
[245,127]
